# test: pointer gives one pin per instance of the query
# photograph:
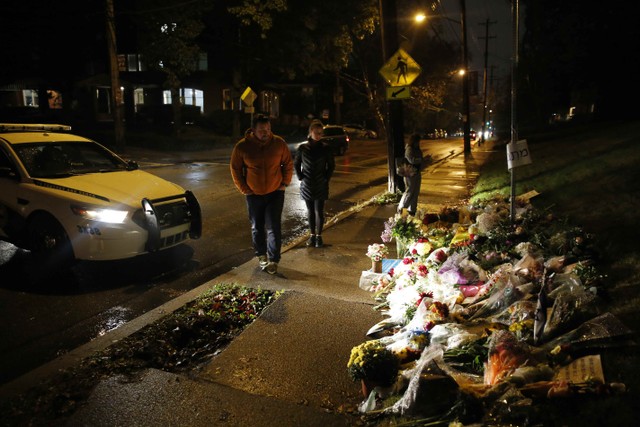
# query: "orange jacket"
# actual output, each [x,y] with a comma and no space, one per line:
[261,167]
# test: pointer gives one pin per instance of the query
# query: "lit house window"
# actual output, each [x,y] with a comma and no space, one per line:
[203,62]
[30,98]
[187,97]
[270,103]
[138,97]
[227,99]
[55,99]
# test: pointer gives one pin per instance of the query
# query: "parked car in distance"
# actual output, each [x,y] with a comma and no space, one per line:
[436,134]
[68,198]
[359,132]
[473,135]
[337,138]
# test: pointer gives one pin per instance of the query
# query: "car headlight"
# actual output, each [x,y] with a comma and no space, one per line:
[111,216]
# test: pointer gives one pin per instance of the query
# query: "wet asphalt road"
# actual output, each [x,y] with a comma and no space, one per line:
[44,317]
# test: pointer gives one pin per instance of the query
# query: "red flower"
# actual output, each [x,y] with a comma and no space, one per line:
[429,326]
[391,272]
[424,295]
[440,256]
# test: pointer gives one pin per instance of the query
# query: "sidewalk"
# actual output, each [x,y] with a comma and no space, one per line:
[288,368]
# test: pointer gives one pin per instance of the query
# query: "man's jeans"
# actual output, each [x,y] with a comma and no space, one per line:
[265,214]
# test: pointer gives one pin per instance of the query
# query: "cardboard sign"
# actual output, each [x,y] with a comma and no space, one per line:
[518,154]
[582,369]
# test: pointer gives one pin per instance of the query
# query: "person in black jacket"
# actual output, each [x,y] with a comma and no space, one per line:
[314,165]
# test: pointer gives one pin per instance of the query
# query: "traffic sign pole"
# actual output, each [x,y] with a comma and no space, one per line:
[395,125]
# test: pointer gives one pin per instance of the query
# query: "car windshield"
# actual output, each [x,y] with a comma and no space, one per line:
[50,160]
[333,131]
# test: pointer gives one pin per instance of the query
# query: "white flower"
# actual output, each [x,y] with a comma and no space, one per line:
[422,249]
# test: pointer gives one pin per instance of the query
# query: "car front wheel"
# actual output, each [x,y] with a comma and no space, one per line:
[49,243]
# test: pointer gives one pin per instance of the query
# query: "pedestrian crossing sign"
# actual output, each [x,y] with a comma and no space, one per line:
[400,70]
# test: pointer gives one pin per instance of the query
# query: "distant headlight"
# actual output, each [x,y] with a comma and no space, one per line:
[110,216]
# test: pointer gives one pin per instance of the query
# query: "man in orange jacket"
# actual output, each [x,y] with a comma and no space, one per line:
[261,168]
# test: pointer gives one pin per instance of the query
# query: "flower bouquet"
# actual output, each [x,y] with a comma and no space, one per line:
[373,362]
[377,251]
[404,228]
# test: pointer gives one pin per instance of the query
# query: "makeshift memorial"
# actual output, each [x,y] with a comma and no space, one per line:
[484,305]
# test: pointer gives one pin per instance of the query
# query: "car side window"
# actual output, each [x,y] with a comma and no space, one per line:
[7,168]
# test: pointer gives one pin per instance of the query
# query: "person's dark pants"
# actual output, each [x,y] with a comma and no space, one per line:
[409,199]
[315,215]
[265,214]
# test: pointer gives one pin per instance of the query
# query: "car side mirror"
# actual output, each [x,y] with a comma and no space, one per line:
[132,165]
[7,172]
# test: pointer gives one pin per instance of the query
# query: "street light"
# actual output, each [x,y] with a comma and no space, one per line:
[466,119]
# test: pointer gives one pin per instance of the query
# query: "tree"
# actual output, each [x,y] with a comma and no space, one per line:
[168,42]
[301,40]
[305,38]
[580,54]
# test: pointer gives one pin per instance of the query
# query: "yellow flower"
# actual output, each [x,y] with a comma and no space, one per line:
[373,361]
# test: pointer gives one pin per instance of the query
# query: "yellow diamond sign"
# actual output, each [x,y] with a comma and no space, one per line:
[400,69]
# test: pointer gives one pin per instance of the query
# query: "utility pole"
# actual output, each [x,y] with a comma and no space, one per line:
[395,119]
[116,93]
[484,80]
[465,80]
[337,99]
[515,18]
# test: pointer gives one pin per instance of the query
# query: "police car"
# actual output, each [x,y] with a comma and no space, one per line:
[67,198]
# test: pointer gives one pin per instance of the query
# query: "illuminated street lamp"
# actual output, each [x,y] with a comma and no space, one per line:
[466,116]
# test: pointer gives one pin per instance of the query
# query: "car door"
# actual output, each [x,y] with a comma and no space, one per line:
[9,181]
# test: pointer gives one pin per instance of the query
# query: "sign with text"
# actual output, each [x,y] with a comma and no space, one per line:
[582,369]
[518,154]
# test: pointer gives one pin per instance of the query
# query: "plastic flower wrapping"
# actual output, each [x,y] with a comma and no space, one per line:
[498,306]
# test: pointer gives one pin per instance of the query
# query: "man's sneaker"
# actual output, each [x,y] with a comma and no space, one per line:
[263,261]
[272,268]
[312,241]
[319,242]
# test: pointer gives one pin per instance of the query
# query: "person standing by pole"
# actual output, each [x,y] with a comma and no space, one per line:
[314,164]
[413,155]
[261,168]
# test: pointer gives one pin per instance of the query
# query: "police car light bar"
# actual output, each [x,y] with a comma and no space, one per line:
[9,127]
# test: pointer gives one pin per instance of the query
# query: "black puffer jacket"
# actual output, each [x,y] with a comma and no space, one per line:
[314,165]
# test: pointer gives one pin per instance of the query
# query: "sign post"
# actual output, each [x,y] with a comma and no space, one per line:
[398,72]
[517,155]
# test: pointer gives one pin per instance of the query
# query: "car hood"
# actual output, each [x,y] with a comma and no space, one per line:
[126,187]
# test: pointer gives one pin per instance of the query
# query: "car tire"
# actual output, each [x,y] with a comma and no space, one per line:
[49,243]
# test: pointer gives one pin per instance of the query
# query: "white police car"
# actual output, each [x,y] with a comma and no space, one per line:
[68,198]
